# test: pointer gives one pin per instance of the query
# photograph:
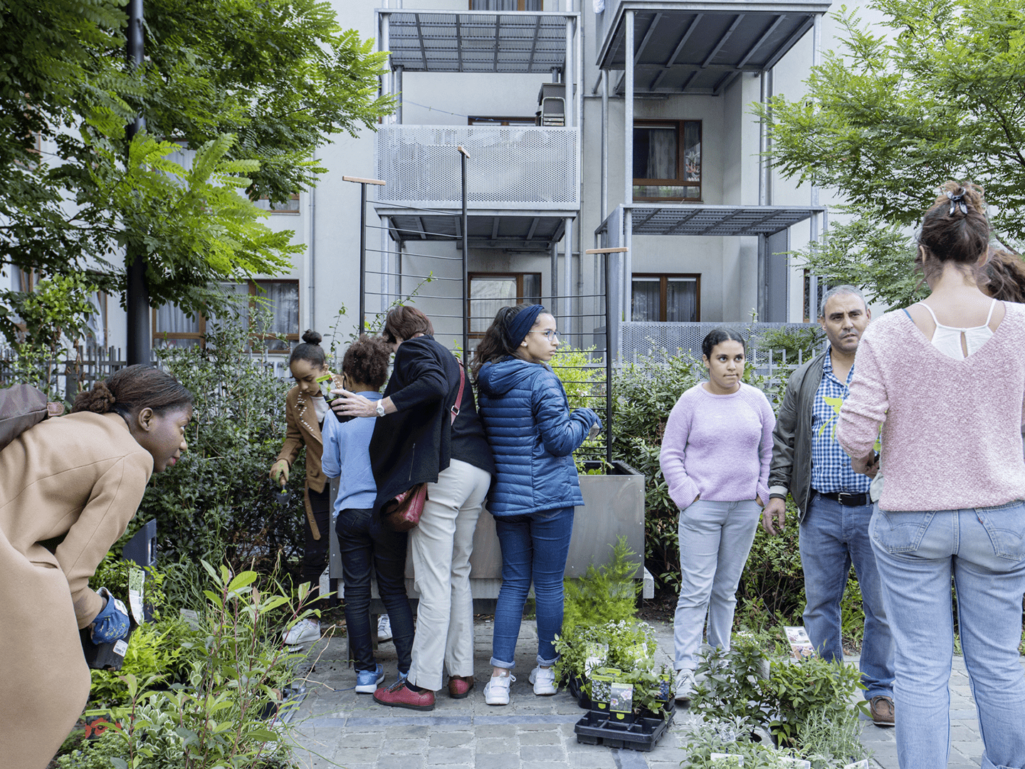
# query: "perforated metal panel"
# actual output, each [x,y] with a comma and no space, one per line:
[477,42]
[524,168]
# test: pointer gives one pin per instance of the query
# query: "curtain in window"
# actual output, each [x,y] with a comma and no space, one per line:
[661,153]
[171,320]
[487,297]
[504,5]
[96,322]
[532,288]
[692,151]
[282,301]
[681,300]
[646,299]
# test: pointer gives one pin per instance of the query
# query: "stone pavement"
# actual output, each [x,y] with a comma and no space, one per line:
[337,727]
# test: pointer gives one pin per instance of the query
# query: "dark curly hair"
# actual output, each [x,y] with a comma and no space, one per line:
[495,344]
[310,350]
[132,389]
[950,234]
[1005,276]
[366,361]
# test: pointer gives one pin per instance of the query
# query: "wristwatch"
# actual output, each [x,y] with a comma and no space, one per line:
[380,408]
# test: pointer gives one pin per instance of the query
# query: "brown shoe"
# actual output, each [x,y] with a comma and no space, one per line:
[398,695]
[459,686]
[881,708]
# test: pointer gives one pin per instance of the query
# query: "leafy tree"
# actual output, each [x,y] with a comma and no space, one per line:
[246,90]
[937,94]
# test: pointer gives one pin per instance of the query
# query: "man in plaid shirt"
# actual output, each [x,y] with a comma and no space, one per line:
[832,500]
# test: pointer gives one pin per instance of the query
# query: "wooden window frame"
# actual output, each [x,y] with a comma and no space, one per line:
[663,289]
[200,335]
[678,182]
[283,211]
[521,5]
[504,274]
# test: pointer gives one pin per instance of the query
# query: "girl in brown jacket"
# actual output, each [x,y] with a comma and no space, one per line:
[68,488]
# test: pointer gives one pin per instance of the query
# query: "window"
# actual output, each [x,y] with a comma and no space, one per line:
[505,5]
[502,121]
[290,206]
[666,298]
[172,327]
[96,323]
[811,314]
[667,160]
[489,292]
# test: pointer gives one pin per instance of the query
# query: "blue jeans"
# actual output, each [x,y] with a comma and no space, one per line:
[365,540]
[984,551]
[715,540]
[534,547]
[833,536]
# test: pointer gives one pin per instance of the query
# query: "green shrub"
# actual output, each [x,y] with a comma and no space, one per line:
[771,590]
[789,345]
[604,594]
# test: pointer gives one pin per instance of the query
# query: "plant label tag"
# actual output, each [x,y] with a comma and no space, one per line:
[727,759]
[863,764]
[621,698]
[191,618]
[800,643]
[121,647]
[596,655]
[136,590]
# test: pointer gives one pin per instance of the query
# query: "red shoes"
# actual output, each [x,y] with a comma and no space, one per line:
[459,686]
[398,695]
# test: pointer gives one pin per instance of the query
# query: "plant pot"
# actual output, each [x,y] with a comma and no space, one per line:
[576,690]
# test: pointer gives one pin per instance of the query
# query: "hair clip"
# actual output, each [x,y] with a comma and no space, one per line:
[957,201]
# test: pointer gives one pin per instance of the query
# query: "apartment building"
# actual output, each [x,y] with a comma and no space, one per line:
[587,124]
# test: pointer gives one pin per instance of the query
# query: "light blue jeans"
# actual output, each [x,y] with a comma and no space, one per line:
[715,539]
[984,550]
[833,536]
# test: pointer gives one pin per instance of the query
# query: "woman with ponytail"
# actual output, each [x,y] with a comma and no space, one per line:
[533,434]
[68,488]
[305,410]
[945,380]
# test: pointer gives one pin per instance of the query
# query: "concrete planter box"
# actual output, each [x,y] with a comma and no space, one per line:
[613,507]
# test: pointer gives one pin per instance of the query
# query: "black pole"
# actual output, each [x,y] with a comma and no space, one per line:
[463,155]
[139,348]
[362,258]
[608,365]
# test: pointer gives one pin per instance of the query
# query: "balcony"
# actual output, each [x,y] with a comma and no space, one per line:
[696,47]
[511,169]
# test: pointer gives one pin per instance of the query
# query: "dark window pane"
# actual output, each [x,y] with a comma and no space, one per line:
[646,299]
[487,297]
[532,288]
[655,152]
[692,151]
[681,300]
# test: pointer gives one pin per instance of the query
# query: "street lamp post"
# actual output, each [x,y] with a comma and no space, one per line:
[137,292]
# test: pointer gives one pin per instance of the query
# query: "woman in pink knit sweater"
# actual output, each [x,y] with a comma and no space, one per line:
[946,381]
[715,458]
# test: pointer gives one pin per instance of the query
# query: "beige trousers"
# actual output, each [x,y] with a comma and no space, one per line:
[441,547]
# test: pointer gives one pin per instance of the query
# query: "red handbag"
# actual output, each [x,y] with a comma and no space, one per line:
[403,511]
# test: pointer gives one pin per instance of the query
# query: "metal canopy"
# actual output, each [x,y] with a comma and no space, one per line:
[491,230]
[715,221]
[472,41]
[700,48]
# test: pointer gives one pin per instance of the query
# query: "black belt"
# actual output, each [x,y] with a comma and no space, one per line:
[846,499]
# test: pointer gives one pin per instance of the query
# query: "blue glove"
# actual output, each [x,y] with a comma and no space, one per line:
[111,624]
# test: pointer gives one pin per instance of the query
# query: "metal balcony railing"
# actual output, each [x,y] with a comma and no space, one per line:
[510,168]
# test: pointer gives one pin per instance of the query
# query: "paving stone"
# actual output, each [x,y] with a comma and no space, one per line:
[542,753]
[400,762]
[548,737]
[492,730]
[404,746]
[497,745]
[450,739]
[543,765]
[363,740]
[449,756]
[499,761]
[597,758]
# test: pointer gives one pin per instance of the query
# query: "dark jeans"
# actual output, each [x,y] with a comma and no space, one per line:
[315,551]
[364,540]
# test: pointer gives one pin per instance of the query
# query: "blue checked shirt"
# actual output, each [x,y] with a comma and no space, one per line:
[830,466]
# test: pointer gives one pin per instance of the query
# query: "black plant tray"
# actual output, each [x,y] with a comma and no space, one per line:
[576,691]
[640,734]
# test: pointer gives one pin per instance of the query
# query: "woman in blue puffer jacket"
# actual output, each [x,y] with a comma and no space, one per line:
[533,434]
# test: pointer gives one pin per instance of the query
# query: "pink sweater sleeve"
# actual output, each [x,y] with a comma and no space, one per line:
[865,408]
[765,448]
[682,488]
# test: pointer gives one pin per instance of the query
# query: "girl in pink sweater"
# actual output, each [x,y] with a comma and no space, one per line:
[946,381]
[715,458]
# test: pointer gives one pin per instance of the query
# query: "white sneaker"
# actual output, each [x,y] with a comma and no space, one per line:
[304,632]
[383,628]
[496,691]
[684,685]
[544,681]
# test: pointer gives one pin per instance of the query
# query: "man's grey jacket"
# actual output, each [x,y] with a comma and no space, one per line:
[791,440]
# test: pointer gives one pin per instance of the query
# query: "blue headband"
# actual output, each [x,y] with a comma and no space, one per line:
[522,323]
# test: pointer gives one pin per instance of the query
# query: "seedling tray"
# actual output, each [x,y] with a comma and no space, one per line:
[640,734]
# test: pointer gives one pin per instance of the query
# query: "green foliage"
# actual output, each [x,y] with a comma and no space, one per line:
[805,687]
[582,376]
[789,346]
[730,683]
[217,502]
[607,593]
[236,667]
[897,108]
[732,737]
[253,87]
[834,735]
[771,588]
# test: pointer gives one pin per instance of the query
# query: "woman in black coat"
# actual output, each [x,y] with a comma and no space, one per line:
[416,441]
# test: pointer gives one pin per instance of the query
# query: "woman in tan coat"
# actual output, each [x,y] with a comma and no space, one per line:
[68,488]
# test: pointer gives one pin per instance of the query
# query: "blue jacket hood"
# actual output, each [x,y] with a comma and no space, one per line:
[500,378]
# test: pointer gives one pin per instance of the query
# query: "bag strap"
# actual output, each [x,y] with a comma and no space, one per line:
[459,395]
